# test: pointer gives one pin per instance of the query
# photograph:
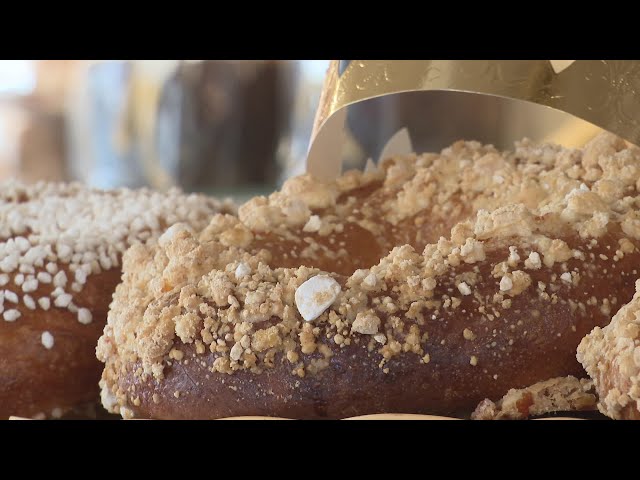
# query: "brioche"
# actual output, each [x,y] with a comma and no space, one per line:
[423,287]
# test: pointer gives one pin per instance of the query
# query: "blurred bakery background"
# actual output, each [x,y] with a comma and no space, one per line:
[236,128]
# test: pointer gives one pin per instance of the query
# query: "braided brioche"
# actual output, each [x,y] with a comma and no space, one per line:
[426,286]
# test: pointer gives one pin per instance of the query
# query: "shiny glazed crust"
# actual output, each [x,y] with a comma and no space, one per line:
[427,286]
[35,381]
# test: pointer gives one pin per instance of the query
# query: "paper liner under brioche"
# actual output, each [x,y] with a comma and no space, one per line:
[380,416]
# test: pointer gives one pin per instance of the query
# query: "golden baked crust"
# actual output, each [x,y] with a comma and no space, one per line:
[563,394]
[611,357]
[60,254]
[425,287]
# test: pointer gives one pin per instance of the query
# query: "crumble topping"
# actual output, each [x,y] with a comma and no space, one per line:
[555,395]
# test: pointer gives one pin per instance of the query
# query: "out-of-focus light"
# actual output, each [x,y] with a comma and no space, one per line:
[17,77]
[315,69]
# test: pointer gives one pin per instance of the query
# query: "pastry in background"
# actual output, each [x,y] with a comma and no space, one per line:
[60,260]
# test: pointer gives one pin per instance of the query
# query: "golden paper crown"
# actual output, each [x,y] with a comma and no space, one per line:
[436,102]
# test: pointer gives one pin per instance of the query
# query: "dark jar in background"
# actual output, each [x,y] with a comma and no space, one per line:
[220,127]
[227,119]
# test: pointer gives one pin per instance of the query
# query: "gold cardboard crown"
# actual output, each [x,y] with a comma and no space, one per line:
[364,103]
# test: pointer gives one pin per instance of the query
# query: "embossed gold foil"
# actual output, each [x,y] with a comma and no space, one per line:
[492,101]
